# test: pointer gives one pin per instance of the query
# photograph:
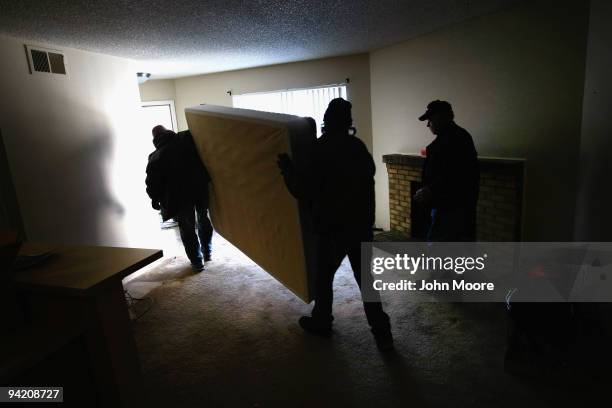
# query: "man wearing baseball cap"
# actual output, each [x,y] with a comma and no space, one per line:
[450,177]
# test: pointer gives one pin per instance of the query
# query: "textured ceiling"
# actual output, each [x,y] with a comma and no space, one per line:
[186,37]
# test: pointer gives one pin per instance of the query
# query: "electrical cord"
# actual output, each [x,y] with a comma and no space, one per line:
[132,301]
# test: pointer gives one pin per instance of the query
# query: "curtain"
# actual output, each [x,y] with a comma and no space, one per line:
[311,102]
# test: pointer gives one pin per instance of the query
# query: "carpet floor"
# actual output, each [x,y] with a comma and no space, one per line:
[228,337]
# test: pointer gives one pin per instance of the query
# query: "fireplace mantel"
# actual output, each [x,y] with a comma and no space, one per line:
[487,163]
[500,202]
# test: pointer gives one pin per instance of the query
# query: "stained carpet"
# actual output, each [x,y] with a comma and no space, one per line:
[228,337]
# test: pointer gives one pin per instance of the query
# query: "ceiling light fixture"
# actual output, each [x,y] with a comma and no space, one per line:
[143,77]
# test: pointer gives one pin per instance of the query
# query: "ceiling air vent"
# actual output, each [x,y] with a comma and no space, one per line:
[42,60]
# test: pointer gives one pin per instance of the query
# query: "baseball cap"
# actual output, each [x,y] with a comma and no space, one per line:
[436,106]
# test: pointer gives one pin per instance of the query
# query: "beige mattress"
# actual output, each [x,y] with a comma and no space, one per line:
[249,203]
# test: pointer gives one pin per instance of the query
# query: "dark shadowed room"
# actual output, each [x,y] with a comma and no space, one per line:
[368,203]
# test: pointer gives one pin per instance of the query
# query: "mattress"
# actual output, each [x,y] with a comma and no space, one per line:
[250,205]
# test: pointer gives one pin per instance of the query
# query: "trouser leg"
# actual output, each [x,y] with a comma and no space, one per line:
[205,229]
[377,318]
[453,225]
[186,222]
[329,259]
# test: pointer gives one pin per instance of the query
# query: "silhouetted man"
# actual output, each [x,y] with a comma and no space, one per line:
[177,183]
[450,177]
[340,188]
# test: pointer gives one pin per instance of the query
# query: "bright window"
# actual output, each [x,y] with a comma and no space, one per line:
[159,113]
[310,102]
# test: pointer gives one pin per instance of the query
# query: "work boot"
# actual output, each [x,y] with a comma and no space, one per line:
[316,326]
[384,338]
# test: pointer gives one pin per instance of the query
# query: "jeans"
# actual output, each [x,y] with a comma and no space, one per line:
[331,252]
[189,218]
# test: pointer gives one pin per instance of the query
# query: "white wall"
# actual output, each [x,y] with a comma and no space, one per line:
[75,149]
[515,79]
[212,88]
[593,217]
[157,90]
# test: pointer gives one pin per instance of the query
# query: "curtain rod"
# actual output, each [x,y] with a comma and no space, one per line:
[347,81]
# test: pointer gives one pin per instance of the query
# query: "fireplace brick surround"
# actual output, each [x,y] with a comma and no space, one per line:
[499,211]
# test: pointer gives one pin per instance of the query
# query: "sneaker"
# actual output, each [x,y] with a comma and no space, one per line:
[384,339]
[207,257]
[314,326]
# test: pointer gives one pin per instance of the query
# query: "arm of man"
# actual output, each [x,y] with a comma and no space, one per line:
[291,176]
[154,184]
[196,168]
[454,170]
[436,189]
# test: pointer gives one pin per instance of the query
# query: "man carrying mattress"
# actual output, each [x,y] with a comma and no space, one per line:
[340,188]
[177,183]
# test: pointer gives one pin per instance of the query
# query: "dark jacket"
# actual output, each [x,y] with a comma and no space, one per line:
[451,169]
[176,175]
[339,186]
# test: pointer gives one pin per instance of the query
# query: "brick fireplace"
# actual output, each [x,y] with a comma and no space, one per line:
[499,212]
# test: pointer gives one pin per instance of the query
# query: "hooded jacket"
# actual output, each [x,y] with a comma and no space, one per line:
[338,186]
[176,176]
[343,189]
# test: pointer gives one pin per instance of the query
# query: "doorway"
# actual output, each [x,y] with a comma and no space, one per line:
[159,113]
